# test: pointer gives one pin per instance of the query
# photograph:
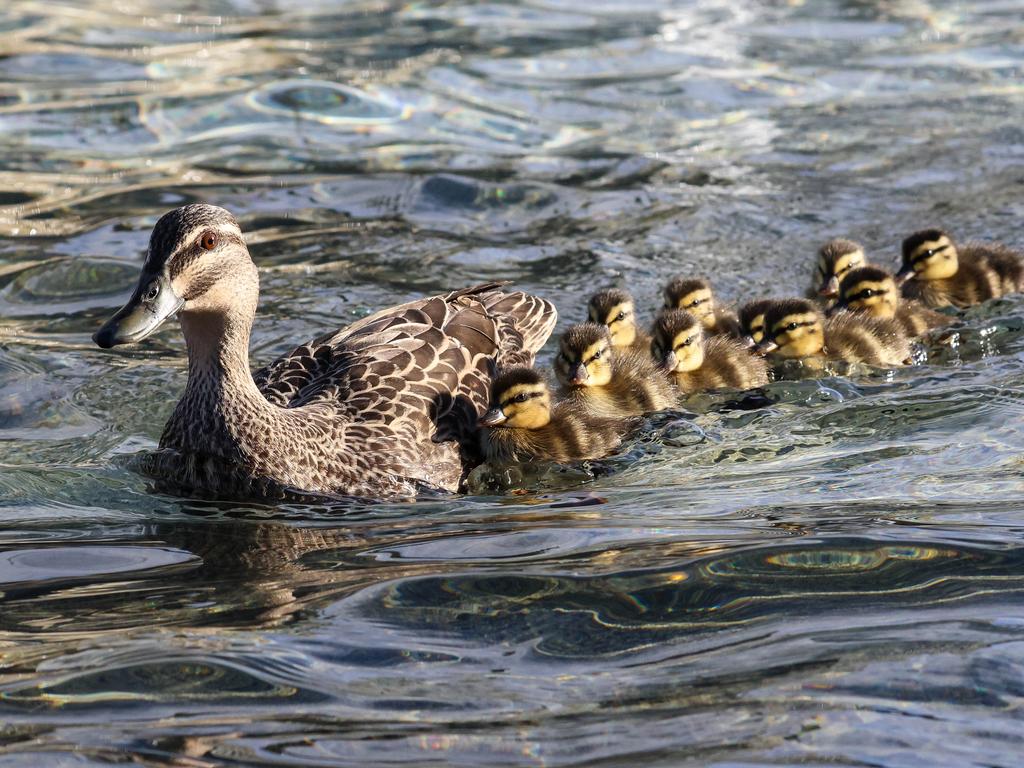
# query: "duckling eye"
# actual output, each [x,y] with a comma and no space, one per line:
[791,327]
[208,241]
[619,317]
[522,397]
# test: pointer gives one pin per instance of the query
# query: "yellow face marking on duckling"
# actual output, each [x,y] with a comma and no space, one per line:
[699,303]
[756,330]
[689,351]
[620,321]
[590,369]
[798,335]
[525,406]
[831,274]
[877,298]
[934,259]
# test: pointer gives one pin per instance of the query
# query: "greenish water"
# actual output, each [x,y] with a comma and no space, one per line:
[834,579]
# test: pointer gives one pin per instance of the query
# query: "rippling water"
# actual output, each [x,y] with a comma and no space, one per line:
[836,578]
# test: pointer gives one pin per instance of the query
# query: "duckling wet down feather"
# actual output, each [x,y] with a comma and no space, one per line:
[696,364]
[872,292]
[616,310]
[522,424]
[938,273]
[382,408]
[796,330]
[694,295]
[601,382]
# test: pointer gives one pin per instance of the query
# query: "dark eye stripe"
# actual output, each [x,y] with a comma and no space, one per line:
[804,324]
[928,254]
[867,293]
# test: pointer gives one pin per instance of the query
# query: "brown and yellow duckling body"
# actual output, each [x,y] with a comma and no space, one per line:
[697,364]
[616,310]
[939,274]
[751,320]
[872,292]
[522,424]
[695,296]
[796,330]
[598,381]
[835,259]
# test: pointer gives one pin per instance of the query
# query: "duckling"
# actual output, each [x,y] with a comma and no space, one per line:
[600,383]
[835,259]
[939,274]
[695,296]
[796,329]
[872,291]
[523,425]
[697,364]
[616,310]
[751,320]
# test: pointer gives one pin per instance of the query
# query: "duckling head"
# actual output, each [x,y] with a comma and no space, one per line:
[678,341]
[835,259]
[793,328]
[871,290]
[695,296]
[614,309]
[584,356]
[520,399]
[751,317]
[198,265]
[928,255]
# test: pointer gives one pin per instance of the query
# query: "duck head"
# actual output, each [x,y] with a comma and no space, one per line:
[678,341]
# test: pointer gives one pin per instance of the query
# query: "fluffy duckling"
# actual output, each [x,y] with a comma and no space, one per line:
[697,364]
[751,319]
[938,273]
[695,296]
[598,382]
[796,329]
[616,310]
[521,424]
[872,291]
[835,259]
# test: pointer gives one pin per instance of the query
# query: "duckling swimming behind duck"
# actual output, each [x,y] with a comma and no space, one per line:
[796,329]
[616,310]
[604,383]
[521,424]
[835,259]
[697,364]
[695,296]
[872,291]
[939,274]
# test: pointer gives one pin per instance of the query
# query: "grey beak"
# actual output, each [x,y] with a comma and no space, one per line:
[579,375]
[830,287]
[493,418]
[152,302]
[765,347]
[670,361]
[904,275]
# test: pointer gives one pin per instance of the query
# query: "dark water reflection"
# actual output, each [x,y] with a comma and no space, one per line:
[829,574]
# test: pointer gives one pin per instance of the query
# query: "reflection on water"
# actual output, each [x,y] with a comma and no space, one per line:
[828,573]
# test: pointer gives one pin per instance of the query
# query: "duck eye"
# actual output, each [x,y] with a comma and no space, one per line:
[152,292]
[208,241]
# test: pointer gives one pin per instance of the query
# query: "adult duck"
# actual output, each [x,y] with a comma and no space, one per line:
[386,407]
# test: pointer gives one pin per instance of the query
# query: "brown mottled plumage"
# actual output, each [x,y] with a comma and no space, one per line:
[382,408]
[616,310]
[697,364]
[872,292]
[694,295]
[796,329]
[938,273]
[523,425]
[598,381]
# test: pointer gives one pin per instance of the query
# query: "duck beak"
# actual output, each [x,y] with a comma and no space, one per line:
[670,361]
[493,417]
[579,375]
[904,275]
[830,287]
[748,342]
[765,347]
[152,302]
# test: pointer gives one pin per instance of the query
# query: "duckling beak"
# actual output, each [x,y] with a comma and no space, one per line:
[765,347]
[493,418]
[152,302]
[579,375]
[904,275]
[748,342]
[670,361]
[830,287]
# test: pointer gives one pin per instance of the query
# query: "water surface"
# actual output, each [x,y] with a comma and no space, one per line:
[834,579]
